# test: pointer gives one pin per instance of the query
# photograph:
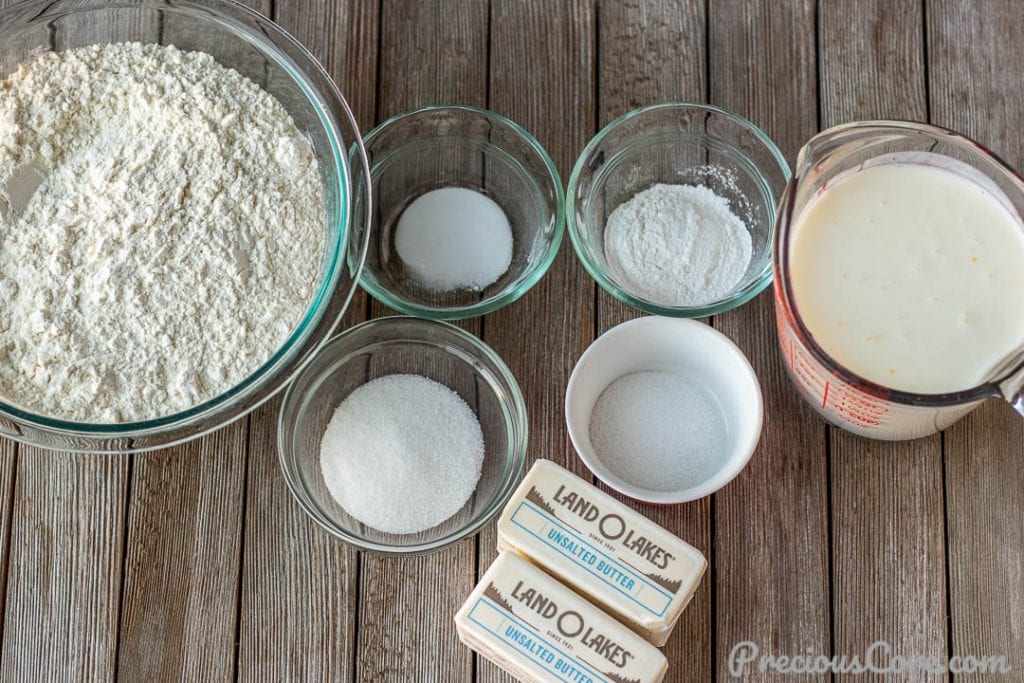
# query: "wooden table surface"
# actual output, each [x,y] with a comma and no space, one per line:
[195,564]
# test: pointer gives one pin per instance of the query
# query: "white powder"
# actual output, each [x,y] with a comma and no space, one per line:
[161,231]
[660,431]
[402,453]
[677,245]
[454,238]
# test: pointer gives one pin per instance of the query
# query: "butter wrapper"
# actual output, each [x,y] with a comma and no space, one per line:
[537,629]
[615,556]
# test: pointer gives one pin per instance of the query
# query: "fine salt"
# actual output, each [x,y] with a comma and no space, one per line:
[402,453]
[454,238]
[659,431]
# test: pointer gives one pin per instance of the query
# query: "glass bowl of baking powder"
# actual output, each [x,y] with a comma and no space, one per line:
[255,47]
[671,209]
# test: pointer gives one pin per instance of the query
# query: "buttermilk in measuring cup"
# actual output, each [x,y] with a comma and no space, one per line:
[911,276]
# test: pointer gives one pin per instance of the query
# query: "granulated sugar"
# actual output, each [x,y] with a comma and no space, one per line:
[454,238]
[402,453]
[660,431]
[677,245]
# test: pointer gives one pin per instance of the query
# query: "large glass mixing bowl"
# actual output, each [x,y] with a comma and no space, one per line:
[260,50]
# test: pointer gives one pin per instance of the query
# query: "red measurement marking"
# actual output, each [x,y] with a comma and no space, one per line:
[824,399]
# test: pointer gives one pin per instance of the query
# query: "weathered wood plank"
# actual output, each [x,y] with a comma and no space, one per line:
[976,87]
[655,52]
[179,607]
[64,576]
[985,518]
[544,46]
[770,523]
[432,52]
[889,579]
[8,468]
[650,51]
[299,585]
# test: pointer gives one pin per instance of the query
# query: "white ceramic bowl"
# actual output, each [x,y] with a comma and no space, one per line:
[669,345]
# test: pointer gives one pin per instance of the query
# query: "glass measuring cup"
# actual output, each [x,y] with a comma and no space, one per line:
[839,395]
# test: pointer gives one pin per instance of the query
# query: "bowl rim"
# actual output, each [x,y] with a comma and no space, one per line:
[535,271]
[515,413]
[755,286]
[732,465]
[337,241]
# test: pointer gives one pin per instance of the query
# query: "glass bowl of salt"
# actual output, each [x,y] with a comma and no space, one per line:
[671,209]
[467,212]
[403,435]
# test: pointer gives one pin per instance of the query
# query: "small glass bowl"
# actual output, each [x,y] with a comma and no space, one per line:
[387,346]
[459,146]
[677,143]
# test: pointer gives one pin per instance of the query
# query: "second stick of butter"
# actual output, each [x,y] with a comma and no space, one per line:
[623,561]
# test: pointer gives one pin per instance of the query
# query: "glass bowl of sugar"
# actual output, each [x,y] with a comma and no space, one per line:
[671,209]
[467,212]
[403,435]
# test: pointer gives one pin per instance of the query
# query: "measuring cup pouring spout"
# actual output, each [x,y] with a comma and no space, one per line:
[842,397]
[1009,383]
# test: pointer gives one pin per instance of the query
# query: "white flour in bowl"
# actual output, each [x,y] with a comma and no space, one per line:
[161,231]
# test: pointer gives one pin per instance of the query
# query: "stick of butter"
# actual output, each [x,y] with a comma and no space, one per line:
[615,556]
[536,629]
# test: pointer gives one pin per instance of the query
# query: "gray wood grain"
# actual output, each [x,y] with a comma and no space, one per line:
[887,516]
[179,604]
[299,585]
[8,468]
[985,519]
[654,52]
[64,575]
[546,48]
[432,52]
[771,524]
[976,88]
